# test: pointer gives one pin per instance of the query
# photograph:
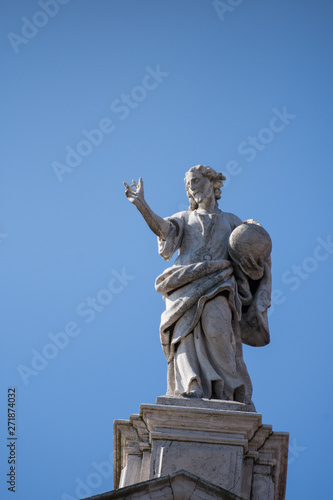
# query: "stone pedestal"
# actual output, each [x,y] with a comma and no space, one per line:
[179,486]
[220,442]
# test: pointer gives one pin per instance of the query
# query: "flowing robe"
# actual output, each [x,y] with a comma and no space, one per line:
[202,271]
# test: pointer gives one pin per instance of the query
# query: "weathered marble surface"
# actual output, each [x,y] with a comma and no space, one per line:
[231,449]
[216,293]
[214,404]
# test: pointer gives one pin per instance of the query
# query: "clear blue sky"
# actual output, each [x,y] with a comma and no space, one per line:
[169,84]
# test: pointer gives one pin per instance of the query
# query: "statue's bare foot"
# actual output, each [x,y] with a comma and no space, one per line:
[194,392]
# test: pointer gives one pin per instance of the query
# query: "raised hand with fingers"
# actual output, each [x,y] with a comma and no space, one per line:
[135,195]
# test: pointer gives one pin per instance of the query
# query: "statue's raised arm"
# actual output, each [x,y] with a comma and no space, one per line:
[135,194]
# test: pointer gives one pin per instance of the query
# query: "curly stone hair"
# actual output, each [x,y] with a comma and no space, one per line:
[216,178]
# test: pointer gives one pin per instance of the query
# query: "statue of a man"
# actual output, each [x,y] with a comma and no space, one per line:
[214,302]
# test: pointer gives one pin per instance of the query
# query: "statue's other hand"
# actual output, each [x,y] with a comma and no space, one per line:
[251,267]
[134,192]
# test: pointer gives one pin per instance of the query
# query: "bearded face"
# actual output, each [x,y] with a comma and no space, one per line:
[199,186]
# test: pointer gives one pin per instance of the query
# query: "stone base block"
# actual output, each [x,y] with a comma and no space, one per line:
[215,440]
[179,486]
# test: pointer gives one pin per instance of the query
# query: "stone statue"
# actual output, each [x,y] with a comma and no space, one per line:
[217,292]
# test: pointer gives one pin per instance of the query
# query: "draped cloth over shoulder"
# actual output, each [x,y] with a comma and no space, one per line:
[202,271]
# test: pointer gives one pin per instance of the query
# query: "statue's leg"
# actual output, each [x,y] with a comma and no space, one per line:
[242,369]
[216,322]
[186,369]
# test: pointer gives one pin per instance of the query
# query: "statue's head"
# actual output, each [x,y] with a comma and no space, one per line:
[216,179]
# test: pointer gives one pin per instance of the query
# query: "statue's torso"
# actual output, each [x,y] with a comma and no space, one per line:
[205,235]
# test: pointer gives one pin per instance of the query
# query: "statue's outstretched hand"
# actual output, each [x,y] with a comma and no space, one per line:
[135,195]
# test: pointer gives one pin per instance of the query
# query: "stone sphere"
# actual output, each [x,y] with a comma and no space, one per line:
[248,244]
